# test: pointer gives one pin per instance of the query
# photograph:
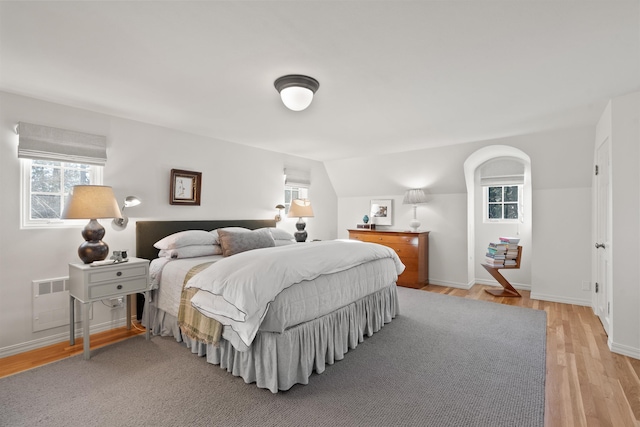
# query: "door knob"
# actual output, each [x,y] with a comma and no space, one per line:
[599,245]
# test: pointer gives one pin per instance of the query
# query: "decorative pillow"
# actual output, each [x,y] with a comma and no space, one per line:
[190,251]
[236,241]
[279,234]
[185,238]
[214,233]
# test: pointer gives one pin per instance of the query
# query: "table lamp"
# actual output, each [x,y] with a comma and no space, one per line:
[414,197]
[302,209]
[92,202]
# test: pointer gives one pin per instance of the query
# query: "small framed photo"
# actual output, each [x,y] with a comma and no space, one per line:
[381,212]
[185,187]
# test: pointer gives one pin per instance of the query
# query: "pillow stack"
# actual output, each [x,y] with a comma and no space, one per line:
[226,241]
[188,244]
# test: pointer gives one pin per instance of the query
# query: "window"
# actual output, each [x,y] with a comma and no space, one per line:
[296,186]
[46,186]
[292,193]
[502,203]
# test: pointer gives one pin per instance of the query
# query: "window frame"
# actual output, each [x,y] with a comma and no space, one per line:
[485,205]
[26,222]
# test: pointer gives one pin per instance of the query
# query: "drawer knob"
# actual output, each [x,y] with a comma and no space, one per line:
[119,287]
[119,273]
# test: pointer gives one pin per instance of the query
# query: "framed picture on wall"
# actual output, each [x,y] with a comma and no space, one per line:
[381,212]
[185,187]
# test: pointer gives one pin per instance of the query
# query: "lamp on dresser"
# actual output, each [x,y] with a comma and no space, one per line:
[92,202]
[302,209]
[414,197]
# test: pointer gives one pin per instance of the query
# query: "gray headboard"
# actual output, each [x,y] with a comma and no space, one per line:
[149,232]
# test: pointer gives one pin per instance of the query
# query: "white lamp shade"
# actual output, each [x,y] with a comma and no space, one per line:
[300,209]
[91,202]
[296,98]
[414,196]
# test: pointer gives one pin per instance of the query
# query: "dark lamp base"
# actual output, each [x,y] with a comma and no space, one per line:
[301,234]
[94,249]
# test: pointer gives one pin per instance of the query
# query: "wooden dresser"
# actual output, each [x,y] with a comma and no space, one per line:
[411,247]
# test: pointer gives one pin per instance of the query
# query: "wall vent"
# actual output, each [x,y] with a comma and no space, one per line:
[50,303]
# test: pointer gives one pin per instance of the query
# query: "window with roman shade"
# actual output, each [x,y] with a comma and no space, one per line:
[53,160]
[296,186]
[502,181]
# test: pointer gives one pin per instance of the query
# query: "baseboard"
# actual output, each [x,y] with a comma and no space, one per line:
[438,282]
[624,350]
[57,338]
[564,300]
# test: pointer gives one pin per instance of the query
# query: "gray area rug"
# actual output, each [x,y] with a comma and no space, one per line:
[445,361]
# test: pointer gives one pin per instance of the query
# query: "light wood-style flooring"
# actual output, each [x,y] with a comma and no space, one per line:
[586,384]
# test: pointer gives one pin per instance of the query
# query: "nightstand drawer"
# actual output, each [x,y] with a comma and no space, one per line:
[123,273]
[117,288]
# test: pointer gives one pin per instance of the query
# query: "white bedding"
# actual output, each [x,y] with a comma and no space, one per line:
[238,290]
[167,276]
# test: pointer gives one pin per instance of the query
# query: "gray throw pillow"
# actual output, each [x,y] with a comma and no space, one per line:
[236,241]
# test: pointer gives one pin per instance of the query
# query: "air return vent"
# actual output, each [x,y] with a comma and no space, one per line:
[50,303]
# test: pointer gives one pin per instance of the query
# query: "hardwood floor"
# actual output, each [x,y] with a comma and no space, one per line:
[586,384]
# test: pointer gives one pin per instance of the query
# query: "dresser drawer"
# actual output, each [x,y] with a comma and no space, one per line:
[384,239]
[404,251]
[117,288]
[122,273]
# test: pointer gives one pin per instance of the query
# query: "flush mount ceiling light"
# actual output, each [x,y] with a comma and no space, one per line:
[296,90]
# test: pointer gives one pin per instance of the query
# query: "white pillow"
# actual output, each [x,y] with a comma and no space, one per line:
[191,251]
[279,234]
[186,238]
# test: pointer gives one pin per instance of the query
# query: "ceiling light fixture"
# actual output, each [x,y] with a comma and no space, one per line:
[296,90]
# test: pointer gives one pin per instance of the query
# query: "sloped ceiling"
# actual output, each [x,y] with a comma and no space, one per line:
[394,75]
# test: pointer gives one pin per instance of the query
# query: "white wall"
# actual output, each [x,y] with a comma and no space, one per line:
[561,163]
[625,242]
[238,183]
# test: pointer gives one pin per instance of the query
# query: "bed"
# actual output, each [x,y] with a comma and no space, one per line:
[300,328]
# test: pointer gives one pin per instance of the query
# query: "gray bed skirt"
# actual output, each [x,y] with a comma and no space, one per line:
[278,361]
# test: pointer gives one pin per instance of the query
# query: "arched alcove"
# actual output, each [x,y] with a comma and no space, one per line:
[496,156]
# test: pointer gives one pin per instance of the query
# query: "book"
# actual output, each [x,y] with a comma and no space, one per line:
[498,246]
[512,240]
[495,256]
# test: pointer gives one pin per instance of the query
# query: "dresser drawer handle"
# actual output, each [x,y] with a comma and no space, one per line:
[119,287]
[119,273]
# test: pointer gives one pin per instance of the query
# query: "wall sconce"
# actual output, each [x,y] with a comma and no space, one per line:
[414,197]
[279,216]
[296,91]
[92,202]
[121,223]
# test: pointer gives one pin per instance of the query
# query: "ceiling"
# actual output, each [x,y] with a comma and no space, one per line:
[394,75]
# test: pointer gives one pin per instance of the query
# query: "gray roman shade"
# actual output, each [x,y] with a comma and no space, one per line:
[502,171]
[297,178]
[61,145]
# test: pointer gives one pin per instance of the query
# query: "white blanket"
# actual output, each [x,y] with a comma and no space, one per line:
[237,291]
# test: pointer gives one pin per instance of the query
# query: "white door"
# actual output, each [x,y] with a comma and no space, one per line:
[603,239]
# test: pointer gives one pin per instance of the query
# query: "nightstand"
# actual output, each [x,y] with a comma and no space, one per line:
[88,284]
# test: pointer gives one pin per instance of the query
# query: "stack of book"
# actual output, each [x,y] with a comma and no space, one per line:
[496,254]
[512,250]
